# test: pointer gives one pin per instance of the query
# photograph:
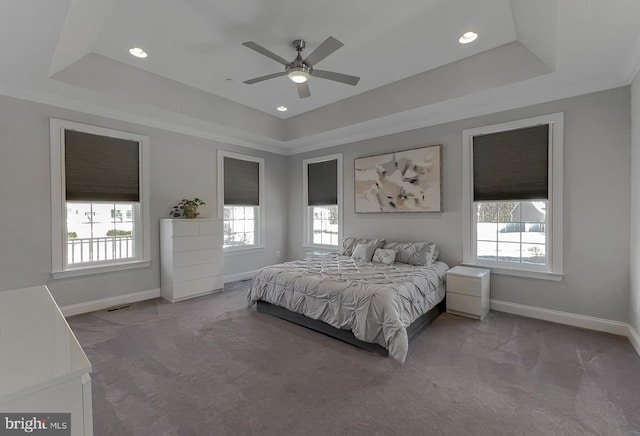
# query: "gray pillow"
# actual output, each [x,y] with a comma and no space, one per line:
[413,253]
[382,255]
[436,253]
[349,244]
[364,251]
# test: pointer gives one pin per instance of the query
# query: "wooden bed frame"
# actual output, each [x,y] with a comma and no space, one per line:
[346,335]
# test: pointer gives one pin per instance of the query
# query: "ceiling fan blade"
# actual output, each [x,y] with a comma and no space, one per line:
[325,49]
[336,77]
[303,90]
[262,78]
[268,53]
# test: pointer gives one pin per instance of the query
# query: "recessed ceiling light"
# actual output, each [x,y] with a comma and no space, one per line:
[138,52]
[468,37]
[282,108]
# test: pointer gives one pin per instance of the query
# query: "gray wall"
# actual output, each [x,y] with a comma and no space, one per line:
[634,300]
[181,166]
[596,203]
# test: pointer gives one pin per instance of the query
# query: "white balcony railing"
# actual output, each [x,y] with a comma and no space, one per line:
[83,250]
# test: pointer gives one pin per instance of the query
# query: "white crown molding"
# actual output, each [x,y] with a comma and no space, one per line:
[105,303]
[509,97]
[487,102]
[211,131]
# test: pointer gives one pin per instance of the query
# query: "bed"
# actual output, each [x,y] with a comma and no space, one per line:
[372,305]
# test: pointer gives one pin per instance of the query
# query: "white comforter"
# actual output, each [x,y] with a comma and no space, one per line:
[375,301]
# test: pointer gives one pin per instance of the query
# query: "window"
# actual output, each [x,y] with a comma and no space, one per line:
[240,185]
[99,192]
[322,192]
[512,193]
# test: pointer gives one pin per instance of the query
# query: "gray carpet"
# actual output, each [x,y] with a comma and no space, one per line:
[210,366]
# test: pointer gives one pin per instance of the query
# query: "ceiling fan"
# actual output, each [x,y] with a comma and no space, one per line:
[300,69]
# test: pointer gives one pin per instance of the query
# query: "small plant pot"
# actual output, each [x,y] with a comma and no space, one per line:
[190,211]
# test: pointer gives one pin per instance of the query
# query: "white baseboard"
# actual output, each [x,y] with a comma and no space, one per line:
[587,322]
[105,303]
[634,338]
[240,276]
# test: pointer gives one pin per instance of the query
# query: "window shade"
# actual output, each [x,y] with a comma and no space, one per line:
[241,182]
[101,168]
[322,183]
[511,165]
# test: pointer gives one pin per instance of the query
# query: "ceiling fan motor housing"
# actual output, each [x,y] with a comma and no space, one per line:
[299,45]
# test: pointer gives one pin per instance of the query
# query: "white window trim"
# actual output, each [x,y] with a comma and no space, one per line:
[259,239]
[59,269]
[554,269]
[306,241]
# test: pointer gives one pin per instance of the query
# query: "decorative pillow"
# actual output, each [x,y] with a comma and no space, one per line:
[364,251]
[382,255]
[349,244]
[413,253]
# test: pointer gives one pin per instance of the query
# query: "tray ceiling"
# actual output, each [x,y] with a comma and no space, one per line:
[406,53]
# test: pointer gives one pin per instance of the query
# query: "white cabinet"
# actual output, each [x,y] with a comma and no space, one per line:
[44,369]
[468,291]
[191,256]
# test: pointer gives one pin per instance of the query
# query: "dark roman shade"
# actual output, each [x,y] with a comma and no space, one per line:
[101,168]
[322,183]
[511,165]
[241,182]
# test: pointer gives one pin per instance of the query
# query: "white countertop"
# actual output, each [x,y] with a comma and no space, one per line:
[37,347]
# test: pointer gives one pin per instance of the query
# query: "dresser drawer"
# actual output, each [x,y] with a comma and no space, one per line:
[197,257]
[193,288]
[188,243]
[466,304]
[193,272]
[210,228]
[185,228]
[473,286]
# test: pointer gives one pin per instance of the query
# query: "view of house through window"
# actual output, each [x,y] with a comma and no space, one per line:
[100,231]
[240,225]
[511,231]
[324,224]
[512,196]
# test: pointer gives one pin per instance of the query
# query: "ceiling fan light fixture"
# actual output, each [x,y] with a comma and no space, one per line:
[298,74]
[468,37]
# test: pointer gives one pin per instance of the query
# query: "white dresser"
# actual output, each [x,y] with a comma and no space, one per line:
[43,369]
[468,291]
[191,257]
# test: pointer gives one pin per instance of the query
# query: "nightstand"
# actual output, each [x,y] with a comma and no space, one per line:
[468,291]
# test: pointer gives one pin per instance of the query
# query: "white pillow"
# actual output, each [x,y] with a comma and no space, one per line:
[384,256]
[349,244]
[413,253]
[364,251]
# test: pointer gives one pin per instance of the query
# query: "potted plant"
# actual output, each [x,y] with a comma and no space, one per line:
[187,207]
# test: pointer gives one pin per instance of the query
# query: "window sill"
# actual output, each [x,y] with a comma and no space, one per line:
[235,251]
[99,269]
[541,275]
[327,248]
